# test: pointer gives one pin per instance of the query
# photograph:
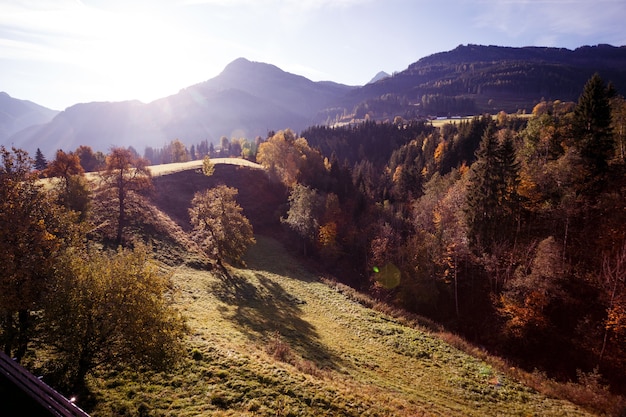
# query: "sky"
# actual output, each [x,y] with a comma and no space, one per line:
[57,53]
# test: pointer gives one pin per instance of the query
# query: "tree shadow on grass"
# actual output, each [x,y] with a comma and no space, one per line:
[261,307]
[268,254]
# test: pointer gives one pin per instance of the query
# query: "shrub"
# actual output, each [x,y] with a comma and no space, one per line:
[280,350]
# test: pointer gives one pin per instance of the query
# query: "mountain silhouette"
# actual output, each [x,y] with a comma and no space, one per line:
[16,115]
[249,99]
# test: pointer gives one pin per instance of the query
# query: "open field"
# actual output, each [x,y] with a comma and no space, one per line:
[455,120]
[273,340]
[165,169]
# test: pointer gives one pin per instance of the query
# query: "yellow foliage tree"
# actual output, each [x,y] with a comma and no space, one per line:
[179,151]
[34,232]
[290,159]
[220,227]
[111,309]
[280,156]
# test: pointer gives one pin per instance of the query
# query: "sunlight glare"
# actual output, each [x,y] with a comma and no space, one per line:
[141,56]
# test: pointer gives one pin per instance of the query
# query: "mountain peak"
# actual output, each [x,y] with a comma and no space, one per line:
[243,65]
[378,77]
[239,62]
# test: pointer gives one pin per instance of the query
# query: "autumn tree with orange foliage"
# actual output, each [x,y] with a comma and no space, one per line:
[290,159]
[528,295]
[65,165]
[34,232]
[73,189]
[328,230]
[613,281]
[124,174]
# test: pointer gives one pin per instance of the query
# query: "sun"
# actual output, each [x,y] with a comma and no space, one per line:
[142,54]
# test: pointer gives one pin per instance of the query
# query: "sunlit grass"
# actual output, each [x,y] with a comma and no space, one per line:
[274,340]
[457,120]
[165,169]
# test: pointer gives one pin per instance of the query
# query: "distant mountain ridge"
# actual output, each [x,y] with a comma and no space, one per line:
[476,78]
[248,99]
[16,115]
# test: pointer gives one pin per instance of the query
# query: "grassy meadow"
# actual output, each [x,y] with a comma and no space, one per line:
[274,340]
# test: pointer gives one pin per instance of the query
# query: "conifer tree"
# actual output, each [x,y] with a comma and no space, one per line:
[592,125]
[40,161]
[509,173]
[484,190]
[492,199]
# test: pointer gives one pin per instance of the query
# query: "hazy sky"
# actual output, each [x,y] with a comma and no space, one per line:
[61,52]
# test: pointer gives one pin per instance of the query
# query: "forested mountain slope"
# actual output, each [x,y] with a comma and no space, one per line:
[472,79]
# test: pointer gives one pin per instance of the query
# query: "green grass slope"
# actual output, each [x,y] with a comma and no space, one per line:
[273,340]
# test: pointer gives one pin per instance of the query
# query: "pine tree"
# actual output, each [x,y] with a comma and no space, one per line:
[509,199]
[592,125]
[492,201]
[484,190]
[40,161]
[509,172]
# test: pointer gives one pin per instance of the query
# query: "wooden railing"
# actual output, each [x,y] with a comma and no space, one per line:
[56,404]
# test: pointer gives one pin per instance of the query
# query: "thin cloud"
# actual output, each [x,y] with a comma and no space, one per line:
[305,4]
[147,48]
[551,21]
